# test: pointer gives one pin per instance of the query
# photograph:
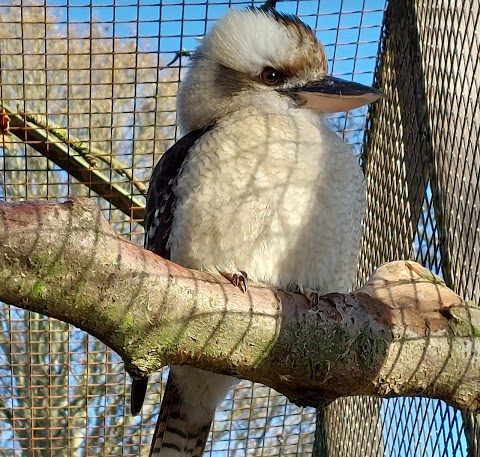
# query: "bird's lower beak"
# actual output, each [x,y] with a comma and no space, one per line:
[330,95]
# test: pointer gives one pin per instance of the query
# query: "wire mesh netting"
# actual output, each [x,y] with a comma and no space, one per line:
[422,171]
[94,75]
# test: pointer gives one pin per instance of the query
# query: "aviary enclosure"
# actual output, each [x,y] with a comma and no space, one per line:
[90,87]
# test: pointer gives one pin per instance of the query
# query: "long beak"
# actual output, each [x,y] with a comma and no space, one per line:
[330,95]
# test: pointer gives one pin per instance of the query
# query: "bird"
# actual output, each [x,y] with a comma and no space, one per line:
[258,189]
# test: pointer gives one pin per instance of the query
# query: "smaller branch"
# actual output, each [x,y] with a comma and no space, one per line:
[269,4]
[81,165]
[90,154]
[178,55]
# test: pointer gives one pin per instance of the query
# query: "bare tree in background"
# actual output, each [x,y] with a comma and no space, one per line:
[104,91]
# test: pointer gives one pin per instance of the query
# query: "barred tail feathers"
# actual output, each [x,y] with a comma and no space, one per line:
[187,411]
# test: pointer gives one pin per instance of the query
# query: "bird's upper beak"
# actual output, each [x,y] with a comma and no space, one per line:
[330,95]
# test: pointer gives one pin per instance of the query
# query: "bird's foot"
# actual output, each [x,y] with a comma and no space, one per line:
[313,296]
[238,279]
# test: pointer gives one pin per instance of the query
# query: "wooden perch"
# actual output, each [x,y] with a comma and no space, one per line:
[404,333]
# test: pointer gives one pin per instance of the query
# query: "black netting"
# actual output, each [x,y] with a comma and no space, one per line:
[422,169]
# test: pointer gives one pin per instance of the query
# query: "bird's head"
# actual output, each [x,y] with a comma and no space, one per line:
[264,59]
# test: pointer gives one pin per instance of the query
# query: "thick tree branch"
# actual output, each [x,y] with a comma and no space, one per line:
[404,333]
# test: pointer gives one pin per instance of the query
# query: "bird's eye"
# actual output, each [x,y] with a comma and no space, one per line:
[271,76]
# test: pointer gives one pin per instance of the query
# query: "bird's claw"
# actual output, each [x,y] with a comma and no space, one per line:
[237,279]
[312,296]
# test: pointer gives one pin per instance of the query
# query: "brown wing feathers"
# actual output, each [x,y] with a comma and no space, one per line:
[159,214]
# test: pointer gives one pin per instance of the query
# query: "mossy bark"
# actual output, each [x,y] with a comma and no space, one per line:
[404,333]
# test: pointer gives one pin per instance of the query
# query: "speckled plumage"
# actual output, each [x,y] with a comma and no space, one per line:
[260,184]
[273,195]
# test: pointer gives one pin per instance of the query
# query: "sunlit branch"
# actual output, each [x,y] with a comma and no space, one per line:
[79,160]
[403,333]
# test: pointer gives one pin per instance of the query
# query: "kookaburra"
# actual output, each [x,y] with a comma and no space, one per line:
[259,187]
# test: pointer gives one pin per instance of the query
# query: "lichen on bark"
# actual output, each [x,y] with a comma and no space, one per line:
[403,333]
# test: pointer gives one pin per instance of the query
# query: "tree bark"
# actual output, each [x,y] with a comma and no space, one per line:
[403,333]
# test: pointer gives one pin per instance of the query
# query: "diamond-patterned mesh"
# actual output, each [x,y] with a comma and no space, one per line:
[422,168]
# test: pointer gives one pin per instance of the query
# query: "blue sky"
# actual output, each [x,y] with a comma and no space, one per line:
[354,32]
